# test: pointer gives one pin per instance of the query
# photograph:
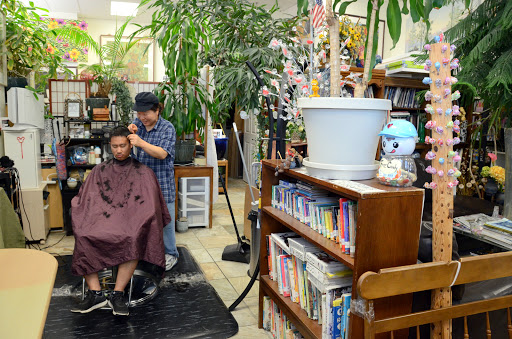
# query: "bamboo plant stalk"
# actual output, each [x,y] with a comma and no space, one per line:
[334,42]
[361,86]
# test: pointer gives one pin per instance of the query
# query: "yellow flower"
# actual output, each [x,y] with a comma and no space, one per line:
[321,36]
[498,174]
[344,32]
[74,53]
[53,24]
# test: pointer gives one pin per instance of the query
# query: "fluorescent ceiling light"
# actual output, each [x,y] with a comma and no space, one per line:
[123,8]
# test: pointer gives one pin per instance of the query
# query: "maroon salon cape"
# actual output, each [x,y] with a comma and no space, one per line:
[118,215]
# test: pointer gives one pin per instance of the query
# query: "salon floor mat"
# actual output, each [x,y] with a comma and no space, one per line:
[187,306]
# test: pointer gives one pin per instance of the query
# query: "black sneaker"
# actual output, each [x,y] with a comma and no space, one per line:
[119,303]
[92,301]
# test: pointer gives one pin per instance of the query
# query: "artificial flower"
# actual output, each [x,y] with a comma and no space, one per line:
[85,50]
[493,157]
[498,174]
[60,21]
[66,56]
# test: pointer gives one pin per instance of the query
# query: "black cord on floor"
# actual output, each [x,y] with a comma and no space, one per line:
[247,289]
[55,243]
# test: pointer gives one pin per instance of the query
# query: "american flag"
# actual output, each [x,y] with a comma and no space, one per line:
[318,14]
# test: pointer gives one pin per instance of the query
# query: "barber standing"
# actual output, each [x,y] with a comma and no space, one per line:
[154,138]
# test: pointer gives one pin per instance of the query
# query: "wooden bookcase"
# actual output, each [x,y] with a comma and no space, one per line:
[387,235]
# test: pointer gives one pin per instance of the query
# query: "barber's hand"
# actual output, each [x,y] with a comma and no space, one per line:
[133,128]
[135,140]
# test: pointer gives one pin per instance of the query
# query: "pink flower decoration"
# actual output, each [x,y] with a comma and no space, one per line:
[83,25]
[60,21]
[85,50]
[29,48]
[309,42]
[493,156]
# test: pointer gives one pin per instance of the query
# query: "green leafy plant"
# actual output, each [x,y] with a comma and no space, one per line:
[484,49]
[182,106]
[220,33]
[28,46]
[240,33]
[180,33]
[124,101]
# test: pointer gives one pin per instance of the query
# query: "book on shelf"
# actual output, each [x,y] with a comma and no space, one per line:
[402,96]
[313,283]
[331,216]
[277,323]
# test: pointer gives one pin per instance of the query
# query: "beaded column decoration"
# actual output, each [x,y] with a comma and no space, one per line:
[443,170]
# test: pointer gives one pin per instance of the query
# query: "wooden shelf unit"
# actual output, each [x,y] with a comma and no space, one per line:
[387,235]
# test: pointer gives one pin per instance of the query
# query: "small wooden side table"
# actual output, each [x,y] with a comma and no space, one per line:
[194,171]
[223,163]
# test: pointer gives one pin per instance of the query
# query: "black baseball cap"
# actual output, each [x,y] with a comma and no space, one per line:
[145,101]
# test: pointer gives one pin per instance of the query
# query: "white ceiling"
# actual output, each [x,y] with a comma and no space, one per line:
[100,9]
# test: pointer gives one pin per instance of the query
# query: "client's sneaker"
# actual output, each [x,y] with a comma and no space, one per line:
[92,301]
[170,261]
[119,303]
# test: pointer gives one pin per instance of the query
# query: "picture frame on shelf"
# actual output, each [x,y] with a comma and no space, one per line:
[73,109]
[139,60]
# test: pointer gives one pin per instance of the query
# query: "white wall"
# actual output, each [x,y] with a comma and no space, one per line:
[108,27]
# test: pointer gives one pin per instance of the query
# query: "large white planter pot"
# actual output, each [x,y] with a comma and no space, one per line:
[343,132]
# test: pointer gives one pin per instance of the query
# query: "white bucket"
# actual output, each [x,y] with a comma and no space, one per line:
[343,131]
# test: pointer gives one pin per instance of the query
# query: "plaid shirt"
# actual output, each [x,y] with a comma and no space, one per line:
[162,135]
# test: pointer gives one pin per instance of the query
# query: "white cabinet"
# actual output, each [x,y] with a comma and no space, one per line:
[35,213]
[194,200]
[23,147]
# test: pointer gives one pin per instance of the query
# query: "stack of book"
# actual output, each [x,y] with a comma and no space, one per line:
[333,217]
[312,279]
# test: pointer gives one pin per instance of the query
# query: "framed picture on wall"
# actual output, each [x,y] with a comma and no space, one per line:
[139,61]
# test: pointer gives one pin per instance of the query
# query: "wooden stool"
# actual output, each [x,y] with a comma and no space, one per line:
[223,163]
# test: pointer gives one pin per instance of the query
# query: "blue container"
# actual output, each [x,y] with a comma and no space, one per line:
[221,145]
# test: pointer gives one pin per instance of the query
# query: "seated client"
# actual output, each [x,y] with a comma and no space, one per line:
[118,219]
